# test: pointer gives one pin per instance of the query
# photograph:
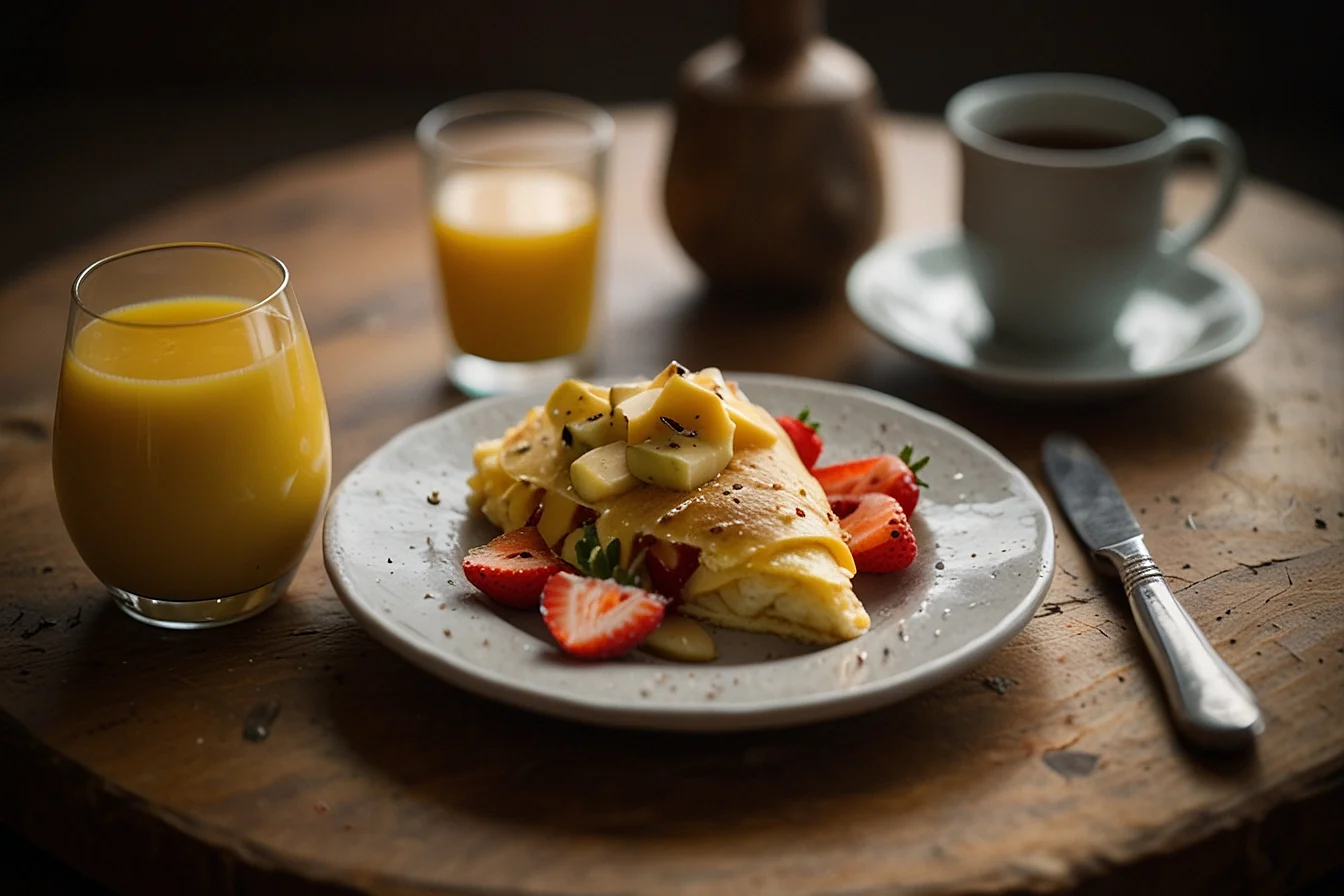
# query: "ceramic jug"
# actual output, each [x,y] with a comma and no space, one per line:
[773,184]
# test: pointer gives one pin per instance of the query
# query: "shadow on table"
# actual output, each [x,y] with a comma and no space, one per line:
[132,689]
[498,762]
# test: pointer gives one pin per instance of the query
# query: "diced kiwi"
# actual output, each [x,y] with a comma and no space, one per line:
[677,462]
[602,473]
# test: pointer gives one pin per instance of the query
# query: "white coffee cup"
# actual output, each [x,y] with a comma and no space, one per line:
[1063,178]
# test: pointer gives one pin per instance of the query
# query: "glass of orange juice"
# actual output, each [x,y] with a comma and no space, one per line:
[191,450]
[514,187]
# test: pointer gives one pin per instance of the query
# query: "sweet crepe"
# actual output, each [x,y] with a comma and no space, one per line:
[771,554]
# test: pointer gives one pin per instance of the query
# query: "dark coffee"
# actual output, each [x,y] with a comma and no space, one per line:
[1066,138]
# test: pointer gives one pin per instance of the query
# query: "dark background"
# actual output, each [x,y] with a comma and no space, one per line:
[111,109]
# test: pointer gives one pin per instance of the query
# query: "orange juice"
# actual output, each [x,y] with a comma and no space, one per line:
[191,462]
[518,252]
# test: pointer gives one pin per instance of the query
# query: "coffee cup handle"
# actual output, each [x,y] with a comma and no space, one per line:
[1222,144]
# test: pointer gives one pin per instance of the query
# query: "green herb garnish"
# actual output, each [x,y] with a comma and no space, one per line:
[598,562]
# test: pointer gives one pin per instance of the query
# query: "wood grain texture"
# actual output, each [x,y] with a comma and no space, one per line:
[1053,767]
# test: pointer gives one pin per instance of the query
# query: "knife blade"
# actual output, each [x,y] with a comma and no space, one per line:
[1211,706]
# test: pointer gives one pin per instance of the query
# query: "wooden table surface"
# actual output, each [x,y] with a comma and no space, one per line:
[1052,767]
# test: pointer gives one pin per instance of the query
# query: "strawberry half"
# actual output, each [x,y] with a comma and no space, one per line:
[597,619]
[513,568]
[882,473]
[879,534]
[803,433]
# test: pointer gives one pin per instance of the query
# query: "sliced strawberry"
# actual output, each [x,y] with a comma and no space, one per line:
[597,619]
[850,477]
[668,563]
[803,433]
[879,534]
[843,505]
[513,568]
[884,474]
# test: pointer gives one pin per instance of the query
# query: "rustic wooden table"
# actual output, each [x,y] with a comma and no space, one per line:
[1052,767]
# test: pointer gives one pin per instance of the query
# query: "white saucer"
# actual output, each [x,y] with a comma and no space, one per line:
[915,292]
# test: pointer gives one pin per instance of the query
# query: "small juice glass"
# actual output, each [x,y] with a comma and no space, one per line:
[514,186]
[191,450]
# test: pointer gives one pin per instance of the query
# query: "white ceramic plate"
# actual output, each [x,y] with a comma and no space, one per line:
[916,293]
[986,558]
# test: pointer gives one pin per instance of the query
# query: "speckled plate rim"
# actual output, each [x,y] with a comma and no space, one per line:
[440,660]
[1073,382]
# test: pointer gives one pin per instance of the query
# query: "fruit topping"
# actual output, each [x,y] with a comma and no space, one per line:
[559,515]
[574,401]
[598,618]
[679,462]
[803,432]
[667,564]
[877,531]
[512,568]
[882,473]
[681,407]
[681,639]
[602,473]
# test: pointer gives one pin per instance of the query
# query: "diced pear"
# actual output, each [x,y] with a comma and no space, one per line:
[681,639]
[569,551]
[681,408]
[602,474]
[668,373]
[677,462]
[574,401]
[750,431]
[621,391]
[520,500]
[559,516]
[597,430]
[695,409]
[635,411]
[710,378]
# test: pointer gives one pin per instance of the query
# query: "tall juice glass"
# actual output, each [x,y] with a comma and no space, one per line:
[514,186]
[191,449]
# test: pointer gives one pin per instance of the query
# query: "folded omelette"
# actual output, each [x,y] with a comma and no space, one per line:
[766,550]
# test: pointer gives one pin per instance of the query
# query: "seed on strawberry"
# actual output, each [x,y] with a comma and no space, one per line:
[597,619]
[513,568]
[879,535]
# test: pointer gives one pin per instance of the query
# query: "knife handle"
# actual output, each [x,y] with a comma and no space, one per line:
[1213,708]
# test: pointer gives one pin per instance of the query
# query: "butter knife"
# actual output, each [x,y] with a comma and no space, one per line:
[1212,707]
